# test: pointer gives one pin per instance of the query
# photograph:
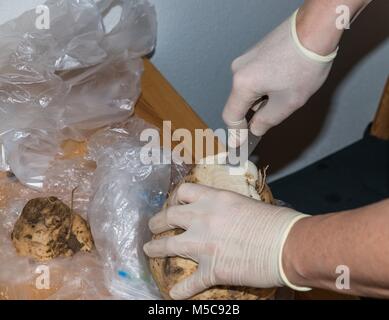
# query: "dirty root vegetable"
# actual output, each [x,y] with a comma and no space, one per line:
[169,271]
[47,228]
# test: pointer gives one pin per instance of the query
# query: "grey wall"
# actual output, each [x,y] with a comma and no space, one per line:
[198,39]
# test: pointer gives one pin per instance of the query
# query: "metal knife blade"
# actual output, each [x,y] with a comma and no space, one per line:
[252,140]
[235,157]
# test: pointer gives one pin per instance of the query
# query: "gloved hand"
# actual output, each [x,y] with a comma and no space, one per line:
[281,68]
[235,240]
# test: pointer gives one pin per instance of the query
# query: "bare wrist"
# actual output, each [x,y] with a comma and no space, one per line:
[317,31]
[295,255]
[317,26]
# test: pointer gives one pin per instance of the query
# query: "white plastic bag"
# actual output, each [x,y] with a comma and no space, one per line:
[68,80]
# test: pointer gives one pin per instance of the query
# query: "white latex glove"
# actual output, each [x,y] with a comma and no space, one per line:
[234,239]
[281,68]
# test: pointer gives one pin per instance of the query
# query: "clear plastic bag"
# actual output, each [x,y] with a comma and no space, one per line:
[68,80]
[126,194]
[117,194]
[77,277]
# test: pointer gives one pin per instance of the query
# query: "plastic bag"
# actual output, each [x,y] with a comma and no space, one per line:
[126,194]
[117,194]
[77,277]
[68,80]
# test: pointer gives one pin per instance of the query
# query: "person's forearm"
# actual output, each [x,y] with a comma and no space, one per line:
[316,23]
[357,239]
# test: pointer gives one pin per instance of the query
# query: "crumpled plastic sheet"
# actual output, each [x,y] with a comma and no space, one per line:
[64,176]
[69,80]
[118,195]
